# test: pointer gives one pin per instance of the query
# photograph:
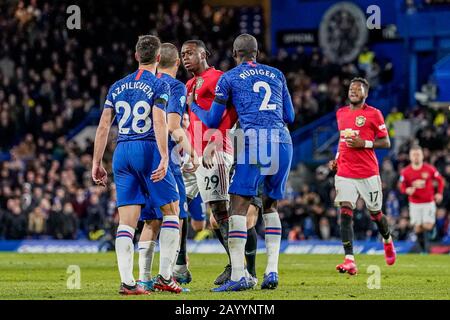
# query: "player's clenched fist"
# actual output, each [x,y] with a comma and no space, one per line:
[99,175]
[332,165]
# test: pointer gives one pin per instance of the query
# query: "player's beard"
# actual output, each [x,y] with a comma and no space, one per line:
[357,103]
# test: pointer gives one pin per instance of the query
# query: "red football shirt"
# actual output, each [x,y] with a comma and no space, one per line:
[199,134]
[425,176]
[368,123]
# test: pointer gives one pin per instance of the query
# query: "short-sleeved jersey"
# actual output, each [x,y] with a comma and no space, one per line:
[367,123]
[132,99]
[176,104]
[427,174]
[258,93]
[205,85]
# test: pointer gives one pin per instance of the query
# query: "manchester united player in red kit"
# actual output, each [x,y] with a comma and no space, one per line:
[416,180]
[212,177]
[362,130]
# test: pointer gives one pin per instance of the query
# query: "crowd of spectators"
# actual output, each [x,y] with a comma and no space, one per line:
[51,77]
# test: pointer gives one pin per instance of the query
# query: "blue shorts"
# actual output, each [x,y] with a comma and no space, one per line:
[196,210]
[133,164]
[270,171]
[149,213]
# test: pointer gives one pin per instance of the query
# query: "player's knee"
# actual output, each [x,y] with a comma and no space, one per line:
[428,226]
[376,215]
[218,206]
[219,210]
[172,208]
[346,209]
[346,212]
[270,205]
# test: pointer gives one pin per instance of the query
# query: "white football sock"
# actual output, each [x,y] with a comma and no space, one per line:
[350,257]
[146,254]
[169,242]
[237,237]
[273,239]
[125,253]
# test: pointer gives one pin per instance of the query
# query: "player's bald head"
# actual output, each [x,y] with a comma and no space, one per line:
[169,56]
[245,46]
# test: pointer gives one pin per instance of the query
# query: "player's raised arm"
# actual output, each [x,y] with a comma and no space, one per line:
[160,128]
[99,174]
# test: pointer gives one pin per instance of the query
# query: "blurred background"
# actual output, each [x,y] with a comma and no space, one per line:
[53,83]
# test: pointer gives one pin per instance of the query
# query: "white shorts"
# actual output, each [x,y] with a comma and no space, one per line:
[211,183]
[421,213]
[369,189]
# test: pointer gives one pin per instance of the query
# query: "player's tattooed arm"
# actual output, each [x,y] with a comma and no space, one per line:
[99,174]
[160,127]
[382,143]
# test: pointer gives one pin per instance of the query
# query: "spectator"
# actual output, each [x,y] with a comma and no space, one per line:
[95,216]
[14,221]
[37,223]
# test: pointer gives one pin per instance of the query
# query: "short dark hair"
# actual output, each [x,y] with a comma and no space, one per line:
[198,43]
[169,55]
[361,80]
[147,48]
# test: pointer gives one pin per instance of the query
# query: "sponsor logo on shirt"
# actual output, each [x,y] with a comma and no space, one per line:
[360,121]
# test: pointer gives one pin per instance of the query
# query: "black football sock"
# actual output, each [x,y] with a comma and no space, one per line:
[426,242]
[250,250]
[224,243]
[181,260]
[421,241]
[383,227]
[347,230]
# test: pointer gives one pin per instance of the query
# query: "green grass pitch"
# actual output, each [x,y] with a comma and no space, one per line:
[44,276]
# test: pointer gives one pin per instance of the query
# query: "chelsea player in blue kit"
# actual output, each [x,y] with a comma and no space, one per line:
[140,163]
[167,70]
[263,104]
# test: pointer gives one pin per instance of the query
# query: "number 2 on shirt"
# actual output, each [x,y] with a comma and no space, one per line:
[265,106]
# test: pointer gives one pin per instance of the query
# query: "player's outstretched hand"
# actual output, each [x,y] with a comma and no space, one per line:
[332,165]
[192,165]
[161,171]
[355,142]
[99,175]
